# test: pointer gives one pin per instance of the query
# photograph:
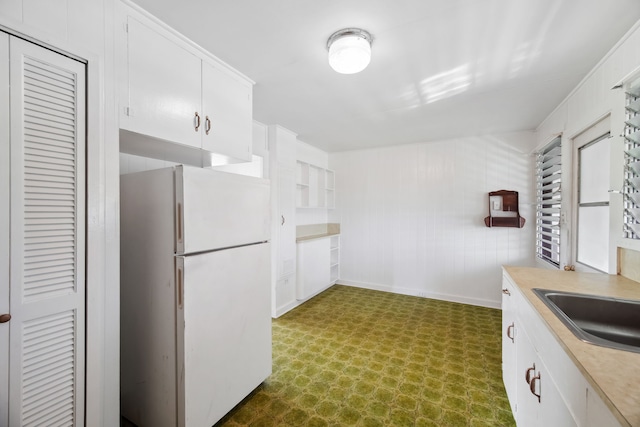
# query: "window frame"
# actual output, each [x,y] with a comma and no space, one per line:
[549,202]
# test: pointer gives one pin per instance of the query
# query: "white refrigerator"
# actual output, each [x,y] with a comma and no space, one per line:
[195,294]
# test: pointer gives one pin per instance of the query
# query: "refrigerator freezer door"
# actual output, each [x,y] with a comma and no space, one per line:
[219,209]
[226,330]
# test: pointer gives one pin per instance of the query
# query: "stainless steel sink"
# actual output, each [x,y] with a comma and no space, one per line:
[603,321]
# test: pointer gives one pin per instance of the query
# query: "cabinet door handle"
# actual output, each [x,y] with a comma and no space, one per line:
[532,386]
[527,376]
[207,125]
[4,318]
[197,121]
[509,331]
[506,291]
[282,216]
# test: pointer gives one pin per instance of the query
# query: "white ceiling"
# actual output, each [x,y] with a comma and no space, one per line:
[440,68]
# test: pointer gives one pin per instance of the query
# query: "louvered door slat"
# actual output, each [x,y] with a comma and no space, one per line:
[46,84]
[48,167]
[56,388]
[51,124]
[42,150]
[49,70]
[46,225]
[43,199]
[50,144]
[46,112]
[47,100]
[41,361]
[62,134]
[41,372]
[47,203]
[48,231]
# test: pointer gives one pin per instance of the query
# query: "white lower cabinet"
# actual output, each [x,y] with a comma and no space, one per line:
[509,342]
[544,386]
[314,258]
[318,265]
[597,412]
[539,402]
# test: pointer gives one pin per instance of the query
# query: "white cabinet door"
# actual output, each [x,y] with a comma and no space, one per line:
[509,367]
[527,366]
[314,267]
[164,87]
[597,412]
[554,411]
[228,113]
[47,279]
[539,402]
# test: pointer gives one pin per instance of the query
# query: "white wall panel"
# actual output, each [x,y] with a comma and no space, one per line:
[412,216]
[11,9]
[49,15]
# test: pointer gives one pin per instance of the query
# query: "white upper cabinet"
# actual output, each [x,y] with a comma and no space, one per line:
[163,87]
[174,91]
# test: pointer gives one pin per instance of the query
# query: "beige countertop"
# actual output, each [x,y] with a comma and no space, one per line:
[614,374]
[317,236]
[316,231]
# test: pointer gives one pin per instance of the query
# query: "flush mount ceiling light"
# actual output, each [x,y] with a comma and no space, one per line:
[349,50]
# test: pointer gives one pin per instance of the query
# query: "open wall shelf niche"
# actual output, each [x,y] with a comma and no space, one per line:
[315,186]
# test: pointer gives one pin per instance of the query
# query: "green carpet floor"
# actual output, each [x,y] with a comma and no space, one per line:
[355,357]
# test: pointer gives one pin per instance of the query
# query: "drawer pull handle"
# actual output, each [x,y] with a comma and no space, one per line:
[197,121]
[510,332]
[532,386]
[527,376]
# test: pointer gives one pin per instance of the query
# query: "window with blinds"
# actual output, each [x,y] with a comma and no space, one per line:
[631,189]
[549,199]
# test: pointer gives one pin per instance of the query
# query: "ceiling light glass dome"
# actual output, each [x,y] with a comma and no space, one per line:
[349,50]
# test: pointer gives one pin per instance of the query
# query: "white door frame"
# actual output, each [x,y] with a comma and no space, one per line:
[600,128]
[4,228]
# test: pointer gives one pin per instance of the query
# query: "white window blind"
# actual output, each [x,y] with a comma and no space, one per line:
[548,203]
[631,189]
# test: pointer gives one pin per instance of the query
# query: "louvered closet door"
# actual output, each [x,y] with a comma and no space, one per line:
[4,227]
[47,281]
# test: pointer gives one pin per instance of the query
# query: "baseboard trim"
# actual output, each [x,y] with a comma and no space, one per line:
[422,294]
[286,308]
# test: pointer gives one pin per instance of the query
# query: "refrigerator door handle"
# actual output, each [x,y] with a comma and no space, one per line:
[180,287]
[179,222]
